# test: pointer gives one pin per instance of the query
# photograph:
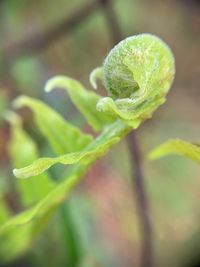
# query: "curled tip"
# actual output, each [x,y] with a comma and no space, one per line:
[19,101]
[137,74]
[94,76]
[52,83]
[62,82]
[13,118]
[56,82]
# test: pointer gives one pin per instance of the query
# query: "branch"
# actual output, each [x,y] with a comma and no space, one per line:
[142,202]
[112,21]
[41,40]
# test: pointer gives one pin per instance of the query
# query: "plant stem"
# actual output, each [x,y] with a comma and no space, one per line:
[41,40]
[142,202]
[112,21]
[138,179]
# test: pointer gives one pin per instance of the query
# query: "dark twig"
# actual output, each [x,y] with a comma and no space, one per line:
[112,21]
[41,40]
[142,202]
[139,186]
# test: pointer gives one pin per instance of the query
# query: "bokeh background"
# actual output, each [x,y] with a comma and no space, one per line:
[36,43]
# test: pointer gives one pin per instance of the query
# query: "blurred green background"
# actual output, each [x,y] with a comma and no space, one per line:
[102,209]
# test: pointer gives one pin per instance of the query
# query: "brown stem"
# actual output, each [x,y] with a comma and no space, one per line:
[112,21]
[142,202]
[41,40]
[138,179]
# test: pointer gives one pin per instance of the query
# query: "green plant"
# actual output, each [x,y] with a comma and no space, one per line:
[137,74]
[178,147]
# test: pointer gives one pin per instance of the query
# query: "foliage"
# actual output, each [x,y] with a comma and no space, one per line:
[137,74]
[179,147]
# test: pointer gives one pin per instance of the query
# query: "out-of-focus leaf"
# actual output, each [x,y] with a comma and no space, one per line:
[14,240]
[30,222]
[84,100]
[4,212]
[179,147]
[94,75]
[18,233]
[38,186]
[98,147]
[52,199]
[22,72]
[62,136]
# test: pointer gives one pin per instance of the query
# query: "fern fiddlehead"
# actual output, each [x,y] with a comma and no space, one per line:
[137,74]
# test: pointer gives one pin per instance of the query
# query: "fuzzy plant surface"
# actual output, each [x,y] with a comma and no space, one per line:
[137,74]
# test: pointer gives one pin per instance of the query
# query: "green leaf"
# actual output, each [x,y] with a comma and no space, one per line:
[42,164]
[18,233]
[84,100]
[53,198]
[94,150]
[36,217]
[4,211]
[62,136]
[179,147]
[38,186]
[13,242]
